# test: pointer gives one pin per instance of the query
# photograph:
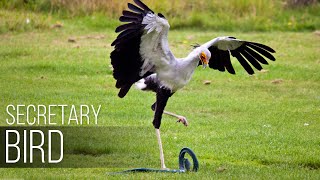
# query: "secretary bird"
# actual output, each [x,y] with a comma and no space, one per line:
[142,56]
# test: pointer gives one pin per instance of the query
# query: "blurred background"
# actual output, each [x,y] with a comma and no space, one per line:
[229,15]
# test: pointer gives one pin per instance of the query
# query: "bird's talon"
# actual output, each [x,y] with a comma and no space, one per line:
[183,120]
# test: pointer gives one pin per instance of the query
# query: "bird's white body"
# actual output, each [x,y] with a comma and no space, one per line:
[178,75]
[172,72]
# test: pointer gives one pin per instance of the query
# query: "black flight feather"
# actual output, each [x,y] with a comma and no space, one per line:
[263,47]
[242,61]
[127,27]
[131,14]
[120,42]
[262,51]
[227,61]
[161,15]
[143,6]
[122,35]
[220,60]
[135,8]
[124,90]
[256,56]
[126,33]
[215,61]
[251,59]
[128,19]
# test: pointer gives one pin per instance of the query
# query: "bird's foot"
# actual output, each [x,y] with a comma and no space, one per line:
[163,167]
[183,120]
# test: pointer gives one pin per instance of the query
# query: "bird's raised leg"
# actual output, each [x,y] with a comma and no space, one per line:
[181,119]
[162,99]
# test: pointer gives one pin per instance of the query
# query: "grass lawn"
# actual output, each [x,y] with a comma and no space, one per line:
[265,126]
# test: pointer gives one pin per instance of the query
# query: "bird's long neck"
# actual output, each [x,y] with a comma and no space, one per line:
[187,67]
[192,60]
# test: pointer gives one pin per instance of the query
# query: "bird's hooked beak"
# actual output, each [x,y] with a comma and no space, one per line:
[204,60]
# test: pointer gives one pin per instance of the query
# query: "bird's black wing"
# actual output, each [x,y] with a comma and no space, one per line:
[126,59]
[247,53]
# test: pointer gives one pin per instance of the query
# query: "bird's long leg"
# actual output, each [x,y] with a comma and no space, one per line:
[181,119]
[162,98]
[163,166]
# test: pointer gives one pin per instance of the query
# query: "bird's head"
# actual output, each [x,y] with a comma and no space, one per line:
[204,56]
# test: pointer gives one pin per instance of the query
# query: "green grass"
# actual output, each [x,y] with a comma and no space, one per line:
[231,15]
[247,125]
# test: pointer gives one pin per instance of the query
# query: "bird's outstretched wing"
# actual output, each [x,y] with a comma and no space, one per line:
[141,47]
[246,52]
